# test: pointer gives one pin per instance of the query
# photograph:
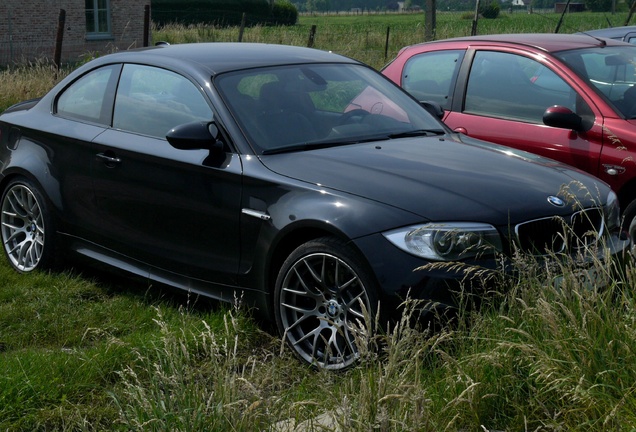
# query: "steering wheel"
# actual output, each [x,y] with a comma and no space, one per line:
[627,104]
[349,115]
[630,112]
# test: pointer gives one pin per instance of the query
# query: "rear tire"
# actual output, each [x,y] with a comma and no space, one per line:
[323,291]
[26,227]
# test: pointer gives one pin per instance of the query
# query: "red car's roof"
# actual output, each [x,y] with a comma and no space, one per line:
[549,42]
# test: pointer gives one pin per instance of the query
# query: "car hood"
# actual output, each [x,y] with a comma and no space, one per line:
[440,179]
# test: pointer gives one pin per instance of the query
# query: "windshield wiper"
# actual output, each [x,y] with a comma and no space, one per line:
[417,132]
[320,145]
[300,147]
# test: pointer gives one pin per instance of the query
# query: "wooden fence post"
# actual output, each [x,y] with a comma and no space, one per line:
[631,12]
[473,31]
[386,44]
[429,20]
[312,36]
[146,25]
[57,56]
[240,39]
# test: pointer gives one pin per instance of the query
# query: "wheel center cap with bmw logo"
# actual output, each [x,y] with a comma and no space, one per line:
[333,308]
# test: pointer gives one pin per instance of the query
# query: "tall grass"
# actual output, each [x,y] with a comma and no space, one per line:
[79,353]
[540,357]
[27,82]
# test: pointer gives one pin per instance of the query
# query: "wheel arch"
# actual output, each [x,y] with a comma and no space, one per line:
[292,238]
[627,194]
[52,198]
[30,161]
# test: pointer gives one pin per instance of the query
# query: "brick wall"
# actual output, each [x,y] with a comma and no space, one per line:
[28,29]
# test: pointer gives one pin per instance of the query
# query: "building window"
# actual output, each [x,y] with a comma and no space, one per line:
[97,19]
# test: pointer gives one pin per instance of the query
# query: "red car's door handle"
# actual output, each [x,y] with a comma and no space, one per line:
[461,130]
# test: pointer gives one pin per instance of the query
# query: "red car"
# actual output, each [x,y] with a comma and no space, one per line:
[568,97]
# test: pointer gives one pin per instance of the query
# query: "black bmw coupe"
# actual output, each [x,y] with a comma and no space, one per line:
[301,179]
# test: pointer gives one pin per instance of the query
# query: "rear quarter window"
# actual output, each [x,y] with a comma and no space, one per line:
[429,76]
[85,98]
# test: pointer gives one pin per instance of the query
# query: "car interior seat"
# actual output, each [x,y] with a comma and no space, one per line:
[284,119]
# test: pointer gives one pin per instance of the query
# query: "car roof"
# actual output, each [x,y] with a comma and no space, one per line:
[220,57]
[549,42]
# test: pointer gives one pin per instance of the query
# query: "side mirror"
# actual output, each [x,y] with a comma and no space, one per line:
[195,136]
[434,108]
[562,117]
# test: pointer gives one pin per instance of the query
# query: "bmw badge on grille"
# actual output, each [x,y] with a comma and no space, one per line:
[556,201]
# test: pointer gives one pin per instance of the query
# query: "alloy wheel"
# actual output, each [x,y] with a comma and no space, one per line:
[322,299]
[23,232]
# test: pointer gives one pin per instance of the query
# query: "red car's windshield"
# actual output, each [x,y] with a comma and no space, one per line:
[611,70]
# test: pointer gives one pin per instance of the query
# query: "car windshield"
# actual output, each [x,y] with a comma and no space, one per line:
[301,107]
[612,70]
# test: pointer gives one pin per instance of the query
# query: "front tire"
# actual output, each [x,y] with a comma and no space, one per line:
[26,227]
[323,291]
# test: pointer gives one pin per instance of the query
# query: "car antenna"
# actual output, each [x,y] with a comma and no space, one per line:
[565,9]
[601,41]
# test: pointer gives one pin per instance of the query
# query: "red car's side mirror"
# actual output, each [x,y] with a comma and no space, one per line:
[562,117]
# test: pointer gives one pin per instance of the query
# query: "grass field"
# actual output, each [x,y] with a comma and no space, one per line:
[365,37]
[92,352]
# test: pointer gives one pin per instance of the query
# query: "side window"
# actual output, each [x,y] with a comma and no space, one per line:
[85,98]
[514,87]
[429,76]
[97,19]
[151,101]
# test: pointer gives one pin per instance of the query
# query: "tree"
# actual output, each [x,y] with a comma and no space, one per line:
[490,11]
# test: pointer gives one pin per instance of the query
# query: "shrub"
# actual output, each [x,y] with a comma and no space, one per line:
[490,11]
[284,13]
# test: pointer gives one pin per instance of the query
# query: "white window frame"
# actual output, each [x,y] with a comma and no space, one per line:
[98,33]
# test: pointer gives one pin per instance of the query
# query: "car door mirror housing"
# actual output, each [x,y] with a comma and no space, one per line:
[194,136]
[434,108]
[562,117]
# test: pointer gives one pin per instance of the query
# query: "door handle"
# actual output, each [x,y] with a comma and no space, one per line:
[461,130]
[109,160]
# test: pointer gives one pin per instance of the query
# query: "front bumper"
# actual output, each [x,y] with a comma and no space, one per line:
[402,276]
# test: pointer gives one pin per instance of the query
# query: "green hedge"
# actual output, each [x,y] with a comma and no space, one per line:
[490,11]
[284,13]
[223,12]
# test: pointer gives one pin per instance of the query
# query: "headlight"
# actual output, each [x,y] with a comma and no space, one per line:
[447,241]
[612,212]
